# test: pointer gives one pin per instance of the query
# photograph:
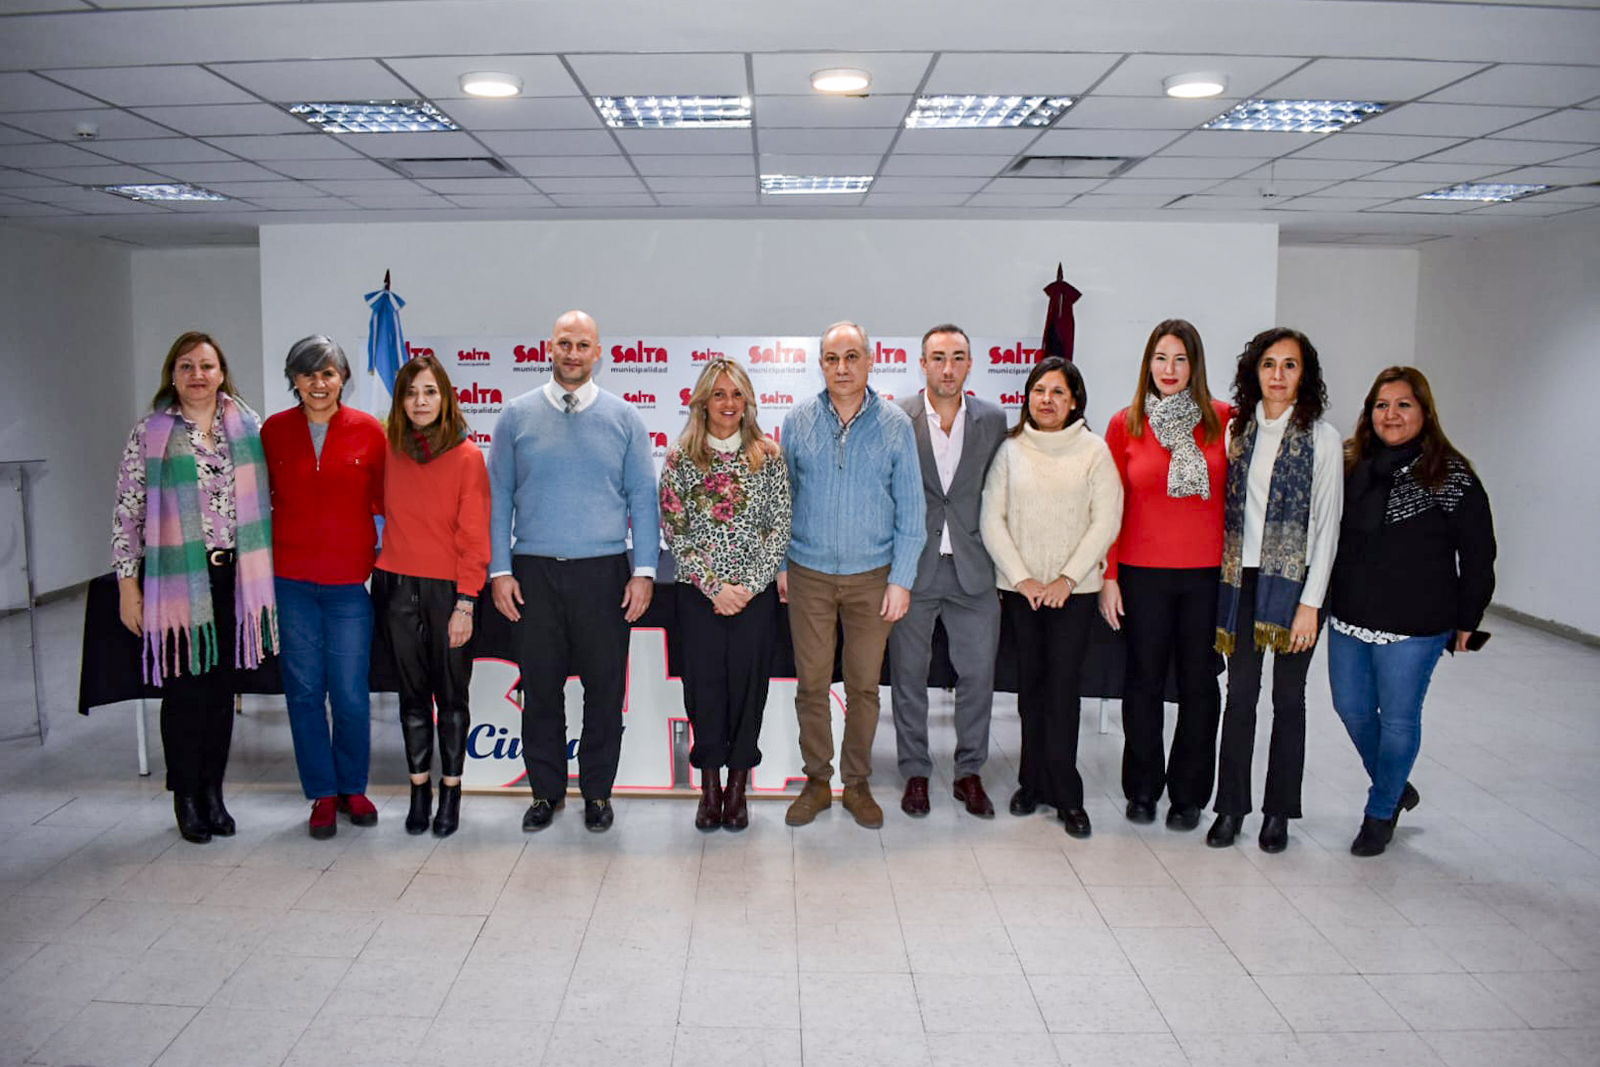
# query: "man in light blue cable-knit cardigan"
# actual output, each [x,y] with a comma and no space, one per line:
[858,529]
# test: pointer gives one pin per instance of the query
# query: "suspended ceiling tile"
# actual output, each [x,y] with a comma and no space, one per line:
[1331,203]
[1575,124]
[200,173]
[401,202]
[161,150]
[1019,200]
[8,135]
[1430,171]
[305,203]
[46,154]
[1446,120]
[792,202]
[1379,188]
[716,74]
[568,166]
[1018,73]
[1260,185]
[996,142]
[1387,80]
[604,200]
[282,189]
[1525,83]
[1192,167]
[526,113]
[817,164]
[218,120]
[394,186]
[111,124]
[1119,202]
[551,143]
[437,145]
[322,80]
[1509,153]
[1244,143]
[912,200]
[492,202]
[1202,202]
[710,166]
[1585,159]
[825,142]
[1167,187]
[1101,143]
[21,179]
[1392,148]
[1141,113]
[478,186]
[23,209]
[929,185]
[308,145]
[1142,75]
[685,142]
[335,169]
[1412,206]
[24,91]
[112,175]
[745,199]
[932,165]
[702,184]
[564,186]
[1041,186]
[1550,175]
[820,110]
[1322,168]
[148,86]
[892,72]
[1534,205]
[439,78]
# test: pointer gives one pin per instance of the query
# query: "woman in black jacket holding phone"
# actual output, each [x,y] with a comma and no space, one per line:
[1414,573]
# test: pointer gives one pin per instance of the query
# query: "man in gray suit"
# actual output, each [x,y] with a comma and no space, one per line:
[957,436]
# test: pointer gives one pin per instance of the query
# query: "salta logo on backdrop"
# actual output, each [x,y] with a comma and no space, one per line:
[482,440]
[637,357]
[778,358]
[887,356]
[776,400]
[705,355]
[1011,401]
[658,444]
[472,356]
[1016,358]
[639,399]
[413,351]
[530,357]
[479,399]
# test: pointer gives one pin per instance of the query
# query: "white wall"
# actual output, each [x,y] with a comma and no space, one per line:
[782,277]
[65,337]
[1506,329]
[1359,307]
[217,290]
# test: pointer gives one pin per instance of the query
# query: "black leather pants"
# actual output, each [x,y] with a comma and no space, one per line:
[414,614]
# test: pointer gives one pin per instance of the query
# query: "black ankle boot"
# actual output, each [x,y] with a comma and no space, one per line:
[1274,833]
[1409,798]
[1224,830]
[421,803]
[1373,839]
[735,812]
[217,818]
[449,814]
[191,823]
[708,816]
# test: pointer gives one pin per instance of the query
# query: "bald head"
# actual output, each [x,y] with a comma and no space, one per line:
[574,349]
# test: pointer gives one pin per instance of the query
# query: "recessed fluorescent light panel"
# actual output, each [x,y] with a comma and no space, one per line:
[674,112]
[985,112]
[1487,192]
[801,184]
[375,116]
[1296,116]
[163,192]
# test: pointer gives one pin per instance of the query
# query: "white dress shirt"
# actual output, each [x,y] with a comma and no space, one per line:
[586,394]
[946,453]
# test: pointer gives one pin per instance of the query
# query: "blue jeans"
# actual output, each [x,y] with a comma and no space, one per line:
[1378,691]
[326,632]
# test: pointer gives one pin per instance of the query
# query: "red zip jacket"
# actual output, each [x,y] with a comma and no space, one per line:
[322,528]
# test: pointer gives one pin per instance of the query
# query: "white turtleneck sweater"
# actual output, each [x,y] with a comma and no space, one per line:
[1052,506]
[1327,498]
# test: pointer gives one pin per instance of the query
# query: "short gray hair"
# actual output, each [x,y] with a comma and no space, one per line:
[311,354]
[866,345]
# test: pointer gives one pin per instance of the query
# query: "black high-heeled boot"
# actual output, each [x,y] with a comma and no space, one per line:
[449,814]
[421,807]
[217,817]
[191,823]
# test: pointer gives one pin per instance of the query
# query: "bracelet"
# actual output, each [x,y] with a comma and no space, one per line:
[459,610]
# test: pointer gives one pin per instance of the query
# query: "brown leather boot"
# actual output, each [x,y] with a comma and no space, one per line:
[815,798]
[708,816]
[858,801]
[735,813]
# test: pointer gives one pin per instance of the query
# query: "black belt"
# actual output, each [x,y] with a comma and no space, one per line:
[220,557]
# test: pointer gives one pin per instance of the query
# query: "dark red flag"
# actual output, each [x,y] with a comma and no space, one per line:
[1058,325]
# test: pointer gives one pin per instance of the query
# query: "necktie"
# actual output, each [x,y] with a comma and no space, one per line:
[571,402]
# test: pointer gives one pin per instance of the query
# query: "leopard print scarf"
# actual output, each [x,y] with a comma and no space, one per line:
[1173,419]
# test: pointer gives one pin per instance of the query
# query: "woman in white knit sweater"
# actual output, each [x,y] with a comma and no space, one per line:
[1052,506]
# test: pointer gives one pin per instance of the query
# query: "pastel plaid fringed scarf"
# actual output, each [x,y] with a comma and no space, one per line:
[1283,540]
[177,583]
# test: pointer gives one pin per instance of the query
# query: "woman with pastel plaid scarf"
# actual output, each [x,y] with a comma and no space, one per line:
[191,544]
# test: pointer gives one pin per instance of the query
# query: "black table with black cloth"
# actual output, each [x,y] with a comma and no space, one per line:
[111,669]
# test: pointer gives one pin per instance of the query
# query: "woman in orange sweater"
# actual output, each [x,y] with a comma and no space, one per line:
[433,565]
[1161,575]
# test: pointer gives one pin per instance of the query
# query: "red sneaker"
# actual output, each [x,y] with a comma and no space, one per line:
[359,808]
[324,819]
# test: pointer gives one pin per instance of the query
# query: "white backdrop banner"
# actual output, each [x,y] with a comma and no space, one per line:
[656,375]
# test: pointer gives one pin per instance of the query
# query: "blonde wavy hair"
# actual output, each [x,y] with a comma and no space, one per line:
[693,441]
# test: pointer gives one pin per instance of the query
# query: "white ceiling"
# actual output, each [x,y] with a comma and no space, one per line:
[195,92]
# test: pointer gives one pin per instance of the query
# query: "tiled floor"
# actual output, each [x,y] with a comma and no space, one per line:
[1475,940]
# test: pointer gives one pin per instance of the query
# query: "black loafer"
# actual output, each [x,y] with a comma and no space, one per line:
[1141,810]
[539,815]
[598,815]
[1274,834]
[1224,830]
[1373,839]
[1076,821]
[1023,803]
[1183,818]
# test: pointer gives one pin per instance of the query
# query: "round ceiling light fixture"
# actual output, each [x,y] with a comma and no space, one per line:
[840,80]
[491,83]
[1195,86]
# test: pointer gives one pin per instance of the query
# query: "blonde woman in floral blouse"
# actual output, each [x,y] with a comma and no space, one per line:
[725,508]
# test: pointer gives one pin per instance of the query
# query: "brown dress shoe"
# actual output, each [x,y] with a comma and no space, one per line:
[859,803]
[814,799]
[969,791]
[914,801]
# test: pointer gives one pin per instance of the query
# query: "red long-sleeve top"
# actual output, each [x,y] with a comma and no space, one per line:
[437,523]
[1157,530]
[322,507]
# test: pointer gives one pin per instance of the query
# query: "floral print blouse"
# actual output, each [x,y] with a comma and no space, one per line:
[218,518]
[727,523]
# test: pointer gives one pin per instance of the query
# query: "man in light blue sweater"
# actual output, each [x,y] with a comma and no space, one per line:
[858,529]
[569,474]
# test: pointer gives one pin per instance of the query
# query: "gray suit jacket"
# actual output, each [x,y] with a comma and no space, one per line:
[985,429]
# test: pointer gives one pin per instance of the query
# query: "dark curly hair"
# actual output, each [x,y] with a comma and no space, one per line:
[1311,400]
